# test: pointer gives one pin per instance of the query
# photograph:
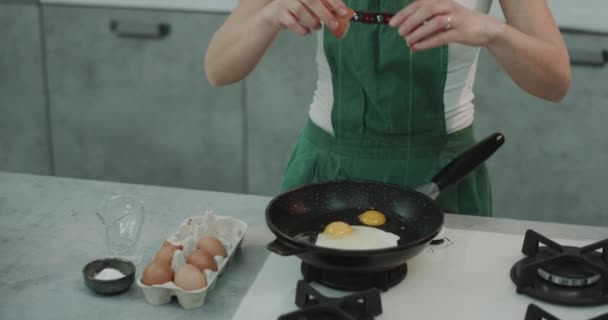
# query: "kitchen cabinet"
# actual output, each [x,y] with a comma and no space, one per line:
[24,143]
[279,93]
[18,2]
[552,166]
[130,101]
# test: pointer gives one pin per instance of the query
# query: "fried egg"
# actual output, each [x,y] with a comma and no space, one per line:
[372,218]
[340,235]
[338,229]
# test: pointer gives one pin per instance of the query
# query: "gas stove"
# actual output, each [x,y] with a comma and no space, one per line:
[470,275]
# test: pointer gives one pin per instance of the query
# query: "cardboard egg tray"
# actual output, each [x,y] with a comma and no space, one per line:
[228,230]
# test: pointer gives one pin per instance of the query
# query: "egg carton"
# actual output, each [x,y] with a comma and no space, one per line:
[229,231]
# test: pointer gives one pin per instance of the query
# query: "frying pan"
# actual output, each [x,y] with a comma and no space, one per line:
[297,216]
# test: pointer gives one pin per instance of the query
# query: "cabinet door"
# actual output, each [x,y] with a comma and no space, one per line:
[279,93]
[17,2]
[130,100]
[23,119]
[553,164]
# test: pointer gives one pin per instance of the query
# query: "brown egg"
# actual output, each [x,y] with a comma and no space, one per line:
[165,254]
[189,277]
[169,244]
[211,245]
[157,273]
[202,260]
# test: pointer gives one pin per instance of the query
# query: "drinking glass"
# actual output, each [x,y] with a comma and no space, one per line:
[122,217]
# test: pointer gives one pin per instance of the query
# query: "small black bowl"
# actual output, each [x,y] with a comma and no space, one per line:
[109,287]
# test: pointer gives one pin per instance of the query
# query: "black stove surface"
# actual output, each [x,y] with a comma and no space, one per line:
[562,275]
[354,281]
[534,312]
[313,305]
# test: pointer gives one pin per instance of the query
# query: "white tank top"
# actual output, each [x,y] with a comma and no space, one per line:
[458,91]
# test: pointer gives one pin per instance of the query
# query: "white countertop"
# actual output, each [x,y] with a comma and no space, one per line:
[465,276]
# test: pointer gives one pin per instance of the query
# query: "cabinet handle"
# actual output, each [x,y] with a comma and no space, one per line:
[140,30]
[591,58]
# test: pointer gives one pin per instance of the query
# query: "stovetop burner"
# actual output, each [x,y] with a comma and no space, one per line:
[354,281]
[570,274]
[562,274]
[534,312]
[315,306]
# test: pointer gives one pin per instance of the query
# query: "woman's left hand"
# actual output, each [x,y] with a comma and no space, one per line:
[428,24]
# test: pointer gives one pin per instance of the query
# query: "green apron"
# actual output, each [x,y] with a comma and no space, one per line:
[389,123]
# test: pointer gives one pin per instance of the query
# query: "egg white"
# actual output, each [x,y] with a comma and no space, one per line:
[362,238]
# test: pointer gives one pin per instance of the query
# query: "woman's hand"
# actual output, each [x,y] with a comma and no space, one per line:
[428,24]
[303,16]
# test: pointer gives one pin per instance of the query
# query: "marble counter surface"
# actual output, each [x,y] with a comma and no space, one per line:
[48,231]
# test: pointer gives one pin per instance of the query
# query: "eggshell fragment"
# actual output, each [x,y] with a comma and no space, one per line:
[343,25]
[343,22]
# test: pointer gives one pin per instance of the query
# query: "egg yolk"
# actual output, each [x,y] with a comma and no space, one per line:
[338,230]
[372,218]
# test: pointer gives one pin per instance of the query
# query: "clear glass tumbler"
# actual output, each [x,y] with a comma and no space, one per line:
[123,218]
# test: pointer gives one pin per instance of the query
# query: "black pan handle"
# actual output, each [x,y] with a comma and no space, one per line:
[283,248]
[468,161]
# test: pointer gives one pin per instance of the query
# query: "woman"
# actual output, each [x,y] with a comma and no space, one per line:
[394,97]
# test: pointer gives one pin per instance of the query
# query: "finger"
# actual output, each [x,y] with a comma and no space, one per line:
[336,6]
[318,9]
[304,16]
[438,23]
[402,15]
[415,20]
[439,39]
[289,21]
[425,12]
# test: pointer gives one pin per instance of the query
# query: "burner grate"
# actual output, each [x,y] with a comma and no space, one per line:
[534,312]
[313,305]
[562,274]
[354,281]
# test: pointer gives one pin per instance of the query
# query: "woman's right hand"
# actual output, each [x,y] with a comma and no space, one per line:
[303,16]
